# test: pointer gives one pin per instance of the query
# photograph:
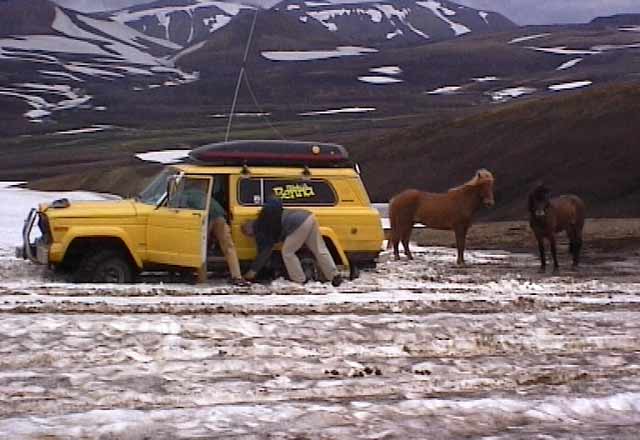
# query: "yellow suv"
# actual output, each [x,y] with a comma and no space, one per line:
[164,228]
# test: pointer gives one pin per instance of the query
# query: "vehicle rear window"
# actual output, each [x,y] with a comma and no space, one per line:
[305,192]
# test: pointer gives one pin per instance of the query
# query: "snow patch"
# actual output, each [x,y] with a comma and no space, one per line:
[563,50]
[241,115]
[126,34]
[446,90]
[379,79]
[396,33]
[339,111]
[569,64]
[606,47]
[443,14]
[17,202]
[528,38]
[58,97]
[165,156]
[64,75]
[52,43]
[324,17]
[387,70]
[486,79]
[310,55]
[513,92]
[570,85]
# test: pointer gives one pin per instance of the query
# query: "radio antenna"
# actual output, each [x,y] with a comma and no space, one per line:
[241,74]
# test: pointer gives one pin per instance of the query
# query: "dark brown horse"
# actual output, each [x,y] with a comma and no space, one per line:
[452,210]
[548,216]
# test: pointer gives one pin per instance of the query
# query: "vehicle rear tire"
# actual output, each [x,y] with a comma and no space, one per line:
[106,266]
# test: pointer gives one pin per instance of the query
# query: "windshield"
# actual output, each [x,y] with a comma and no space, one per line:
[157,189]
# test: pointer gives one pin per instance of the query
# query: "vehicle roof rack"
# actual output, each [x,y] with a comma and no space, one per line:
[273,153]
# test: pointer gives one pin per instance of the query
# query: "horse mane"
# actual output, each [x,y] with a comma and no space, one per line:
[481,176]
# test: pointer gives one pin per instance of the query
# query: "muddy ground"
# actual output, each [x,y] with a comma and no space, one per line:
[420,349]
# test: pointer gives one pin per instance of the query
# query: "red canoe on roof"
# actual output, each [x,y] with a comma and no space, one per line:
[275,153]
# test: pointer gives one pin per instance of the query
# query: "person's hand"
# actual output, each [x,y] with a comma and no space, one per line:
[250,275]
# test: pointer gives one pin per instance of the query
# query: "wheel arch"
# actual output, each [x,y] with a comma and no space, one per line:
[80,246]
[333,244]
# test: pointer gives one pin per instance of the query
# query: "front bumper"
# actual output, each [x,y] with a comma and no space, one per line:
[37,251]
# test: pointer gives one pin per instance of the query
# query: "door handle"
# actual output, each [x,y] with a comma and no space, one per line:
[197,214]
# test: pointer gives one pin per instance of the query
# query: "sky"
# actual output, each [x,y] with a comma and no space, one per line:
[521,11]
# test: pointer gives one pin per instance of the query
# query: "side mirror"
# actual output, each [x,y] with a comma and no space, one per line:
[173,183]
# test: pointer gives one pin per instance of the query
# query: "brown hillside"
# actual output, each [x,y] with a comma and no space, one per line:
[585,143]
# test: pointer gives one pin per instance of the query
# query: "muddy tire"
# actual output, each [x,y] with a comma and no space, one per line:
[106,266]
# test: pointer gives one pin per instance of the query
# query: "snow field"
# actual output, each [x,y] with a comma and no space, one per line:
[476,352]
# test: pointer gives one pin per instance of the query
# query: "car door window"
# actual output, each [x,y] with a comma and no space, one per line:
[189,193]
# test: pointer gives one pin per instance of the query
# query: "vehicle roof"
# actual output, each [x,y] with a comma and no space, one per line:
[264,170]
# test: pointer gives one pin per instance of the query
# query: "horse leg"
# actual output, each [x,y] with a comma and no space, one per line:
[405,242]
[394,240]
[461,238]
[578,249]
[396,251]
[575,244]
[543,258]
[571,235]
[552,242]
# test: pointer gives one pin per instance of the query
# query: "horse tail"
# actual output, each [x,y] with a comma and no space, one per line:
[391,222]
[575,239]
[402,211]
[580,213]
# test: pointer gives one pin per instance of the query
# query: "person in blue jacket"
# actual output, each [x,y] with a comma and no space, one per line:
[294,228]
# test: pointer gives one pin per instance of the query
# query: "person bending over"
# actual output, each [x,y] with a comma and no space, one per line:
[295,228]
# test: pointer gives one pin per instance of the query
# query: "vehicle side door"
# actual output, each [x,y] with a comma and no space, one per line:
[177,231]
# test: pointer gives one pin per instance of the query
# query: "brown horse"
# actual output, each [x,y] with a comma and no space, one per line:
[452,210]
[548,216]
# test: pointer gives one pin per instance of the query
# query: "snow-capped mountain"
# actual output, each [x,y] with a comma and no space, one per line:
[178,60]
[50,70]
[181,21]
[399,22]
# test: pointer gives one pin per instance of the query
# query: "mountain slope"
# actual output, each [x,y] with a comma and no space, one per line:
[400,22]
[582,143]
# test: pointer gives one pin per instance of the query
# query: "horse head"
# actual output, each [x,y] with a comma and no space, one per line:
[484,180]
[539,201]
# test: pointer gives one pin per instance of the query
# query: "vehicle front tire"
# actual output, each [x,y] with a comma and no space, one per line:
[105,266]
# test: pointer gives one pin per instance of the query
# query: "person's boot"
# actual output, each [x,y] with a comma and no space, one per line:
[240,282]
[337,280]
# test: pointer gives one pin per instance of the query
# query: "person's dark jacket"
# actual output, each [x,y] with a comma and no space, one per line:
[268,231]
[273,225]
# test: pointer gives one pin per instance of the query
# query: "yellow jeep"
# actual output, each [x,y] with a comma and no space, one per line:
[164,228]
